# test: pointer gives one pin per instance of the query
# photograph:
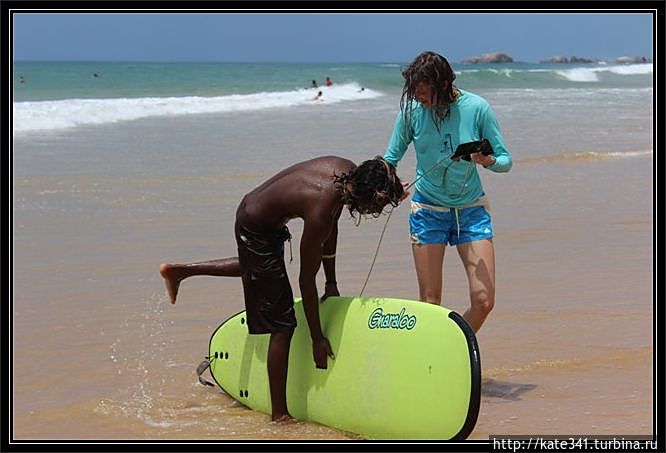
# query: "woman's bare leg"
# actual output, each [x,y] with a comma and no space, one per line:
[428,260]
[478,258]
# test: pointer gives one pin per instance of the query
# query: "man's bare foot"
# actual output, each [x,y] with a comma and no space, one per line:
[285,418]
[170,280]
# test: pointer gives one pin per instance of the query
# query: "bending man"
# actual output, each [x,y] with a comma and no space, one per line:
[315,191]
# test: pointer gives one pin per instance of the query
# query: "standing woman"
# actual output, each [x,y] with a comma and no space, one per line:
[449,204]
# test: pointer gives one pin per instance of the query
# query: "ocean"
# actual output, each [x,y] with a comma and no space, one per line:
[118,167]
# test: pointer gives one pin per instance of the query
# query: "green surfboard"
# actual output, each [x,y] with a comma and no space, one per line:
[402,370]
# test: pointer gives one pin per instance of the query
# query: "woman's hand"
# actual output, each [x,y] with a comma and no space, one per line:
[482,159]
[405,193]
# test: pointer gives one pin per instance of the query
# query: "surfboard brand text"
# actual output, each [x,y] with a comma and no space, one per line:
[379,320]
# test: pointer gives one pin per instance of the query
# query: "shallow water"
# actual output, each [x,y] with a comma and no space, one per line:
[567,350]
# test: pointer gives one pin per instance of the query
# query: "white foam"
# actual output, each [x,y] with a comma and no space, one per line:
[576,74]
[506,72]
[616,154]
[630,69]
[69,113]
[579,74]
[592,74]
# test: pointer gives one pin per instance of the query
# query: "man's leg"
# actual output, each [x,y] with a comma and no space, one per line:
[173,274]
[278,360]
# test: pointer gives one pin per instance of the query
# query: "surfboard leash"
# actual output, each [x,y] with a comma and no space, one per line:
[203,366]
[381,236]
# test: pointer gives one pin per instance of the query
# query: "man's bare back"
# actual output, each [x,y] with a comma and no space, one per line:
[304,190]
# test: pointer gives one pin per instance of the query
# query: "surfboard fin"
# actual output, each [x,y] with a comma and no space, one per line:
[203,366]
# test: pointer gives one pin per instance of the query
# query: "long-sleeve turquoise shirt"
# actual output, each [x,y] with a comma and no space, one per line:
[440,179]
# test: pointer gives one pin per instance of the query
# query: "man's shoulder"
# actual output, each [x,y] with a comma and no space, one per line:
[337,162]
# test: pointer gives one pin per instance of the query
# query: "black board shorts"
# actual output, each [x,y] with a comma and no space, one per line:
[269,300]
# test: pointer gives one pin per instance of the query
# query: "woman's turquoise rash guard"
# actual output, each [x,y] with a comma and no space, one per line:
[440,179]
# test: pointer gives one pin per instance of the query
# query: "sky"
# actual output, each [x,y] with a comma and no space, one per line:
[321,37]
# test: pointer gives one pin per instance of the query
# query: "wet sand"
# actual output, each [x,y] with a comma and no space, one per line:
[99,353]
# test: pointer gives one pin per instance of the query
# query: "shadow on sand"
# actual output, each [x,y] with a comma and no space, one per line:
[510,391]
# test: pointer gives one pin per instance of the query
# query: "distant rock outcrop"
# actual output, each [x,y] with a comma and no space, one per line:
[633,60]
[556,59]
[494,57]
[574,59]
[583,60]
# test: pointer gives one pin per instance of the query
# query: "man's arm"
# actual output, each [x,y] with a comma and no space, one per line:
[328,261]
[315,232]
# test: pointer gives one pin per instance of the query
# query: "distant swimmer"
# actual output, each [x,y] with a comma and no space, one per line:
[329,82]
[21,79]
[314,84]
[317,97]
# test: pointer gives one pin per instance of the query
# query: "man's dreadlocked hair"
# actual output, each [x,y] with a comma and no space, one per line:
[370,187]
[434,70]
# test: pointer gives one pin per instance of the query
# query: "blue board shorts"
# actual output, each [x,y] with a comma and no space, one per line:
[432,224]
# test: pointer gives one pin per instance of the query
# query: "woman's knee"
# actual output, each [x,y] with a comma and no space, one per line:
[483,304]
